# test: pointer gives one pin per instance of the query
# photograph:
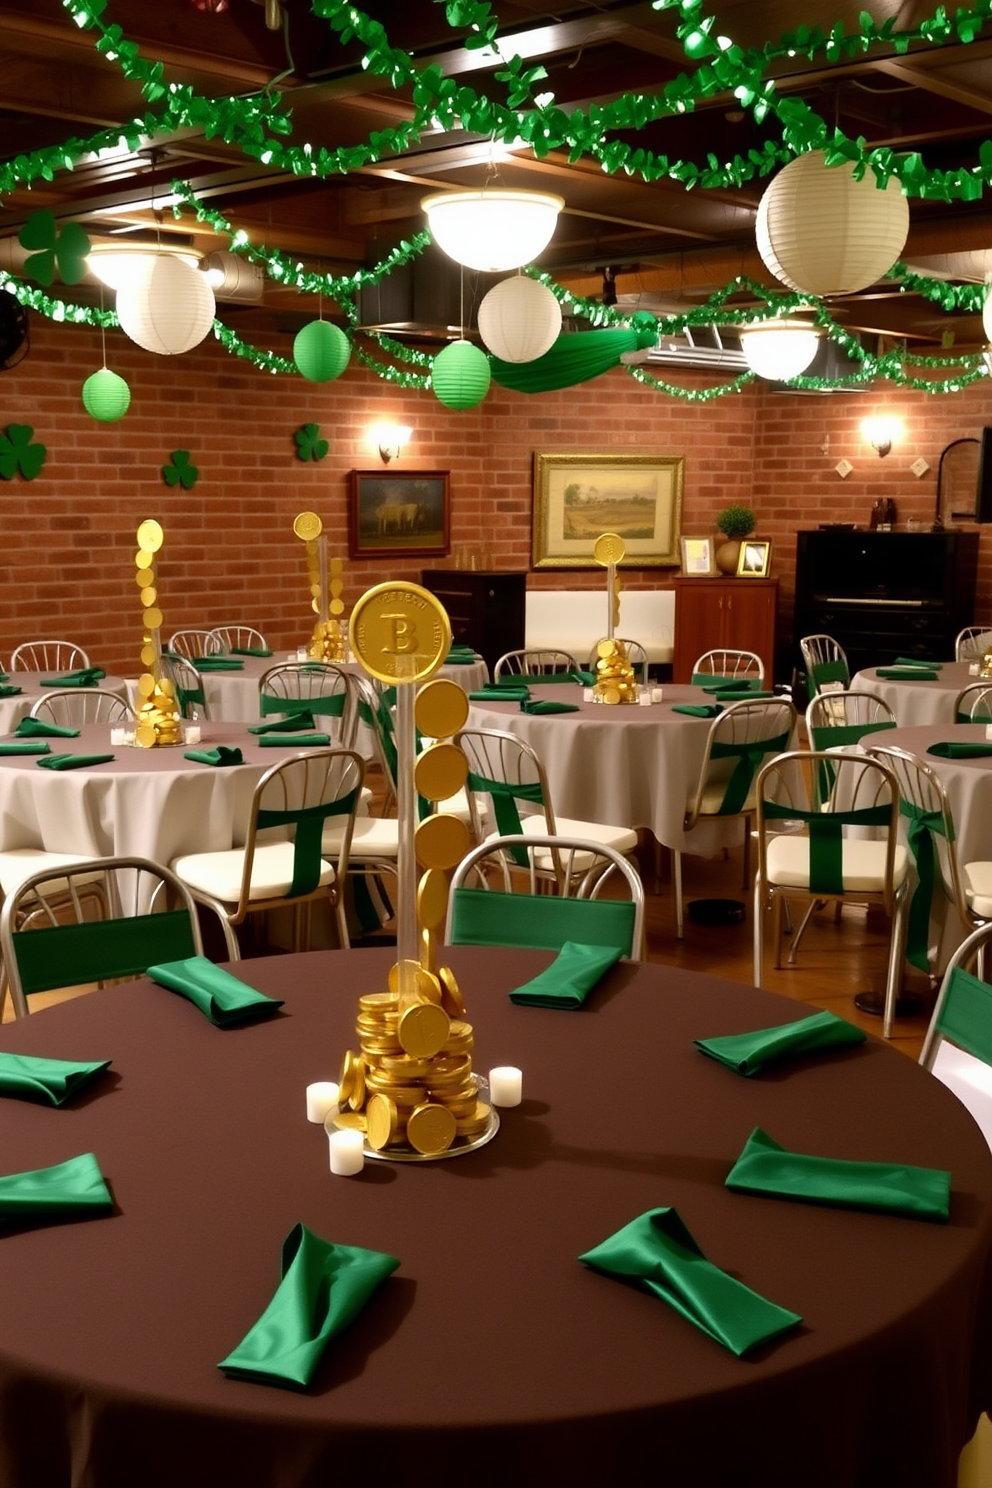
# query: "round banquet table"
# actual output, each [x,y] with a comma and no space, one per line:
[13,709]
[915,703]
[628,766]
[491,1353]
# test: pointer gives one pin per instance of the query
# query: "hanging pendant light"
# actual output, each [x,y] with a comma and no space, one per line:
[166,306]
[779,349]
[460,375]
[519,319]
[493,229]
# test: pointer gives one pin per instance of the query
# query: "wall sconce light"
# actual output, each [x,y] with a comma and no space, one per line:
[390,439]
[880,433]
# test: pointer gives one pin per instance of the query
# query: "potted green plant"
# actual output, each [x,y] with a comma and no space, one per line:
[736,523]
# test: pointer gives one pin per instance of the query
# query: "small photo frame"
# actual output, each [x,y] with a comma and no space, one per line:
[754,559]
[697,556]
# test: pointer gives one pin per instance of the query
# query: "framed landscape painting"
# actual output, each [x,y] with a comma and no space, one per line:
[578,497]
[398,513]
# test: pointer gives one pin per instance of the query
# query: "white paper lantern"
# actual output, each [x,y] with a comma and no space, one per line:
[779,349]
[519,319]
[987,315]
[824,233]
[166,307]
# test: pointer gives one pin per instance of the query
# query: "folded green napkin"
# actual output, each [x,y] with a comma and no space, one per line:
[747,1053]
[736,696]
[7,689]
[657,1252]
[894,1188]
[224,998]
[293,724]
[28,746]
[55,1080]
[295,741]
[218,663]
[960,749]
[570,978]
[75,1186]
[83,677]
[224,754]
[72,761]
[40,728]
[495,694]
[461,655]
[914,661]
[323,1288]
[698,710]
[907,674]
[545,705]
[250,651]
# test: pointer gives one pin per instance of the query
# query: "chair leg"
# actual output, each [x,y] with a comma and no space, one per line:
[798,934]
[759,931]
[897,957]
[677,885]
[779,905]
[746,877]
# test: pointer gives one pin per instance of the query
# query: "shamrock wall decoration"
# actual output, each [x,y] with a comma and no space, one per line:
[65,250]
[18,453]
[180,472]
[309,445]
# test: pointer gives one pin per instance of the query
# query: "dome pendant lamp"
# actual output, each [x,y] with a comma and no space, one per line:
[493,229]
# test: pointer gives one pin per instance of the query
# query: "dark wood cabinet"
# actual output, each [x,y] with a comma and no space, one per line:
[714,613]
[486,610]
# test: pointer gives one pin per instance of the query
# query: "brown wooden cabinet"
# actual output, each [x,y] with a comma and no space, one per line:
[712,613]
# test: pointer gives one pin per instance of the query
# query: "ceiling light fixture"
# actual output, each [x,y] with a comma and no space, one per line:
[492,229]
[779,349]
[116,265]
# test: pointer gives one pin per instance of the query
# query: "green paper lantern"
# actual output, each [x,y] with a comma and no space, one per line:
[106,396]
[460,375]
[321,351]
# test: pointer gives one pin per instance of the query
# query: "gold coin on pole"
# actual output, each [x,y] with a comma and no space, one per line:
[308,526]
[441,708]
[432,899]
[440,771]
[148,655]
[153,619]
[143,559]
[400,632]
[149,596]
[144,577]
[337,585]
[336,606]
[150,536]
[441,841]
[335,566]
[608,548]
[146,685]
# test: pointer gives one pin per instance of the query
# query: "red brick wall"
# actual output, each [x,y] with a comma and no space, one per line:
[67,549]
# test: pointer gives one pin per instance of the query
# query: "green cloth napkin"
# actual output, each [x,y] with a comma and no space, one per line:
[722,696]
[461,656]
[250,651]
[570,978]
[224,998]
[747,1053]
[72,761]
[894,1188]
[84,677]
[224,754]
[323,1288]
[698,710]
[218,664]
[545,705]
[914,661]
[8,689]
[500,695]
[906,674]
[40,728]
[960,749]
[294,741]
[27,746]
[293,724]
[73,1187]
[55,1080]
[657,1252]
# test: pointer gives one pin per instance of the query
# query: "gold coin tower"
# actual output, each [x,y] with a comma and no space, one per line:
[615,682]
[158,714]
[327,643]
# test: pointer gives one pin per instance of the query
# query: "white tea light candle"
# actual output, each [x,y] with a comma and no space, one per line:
[347,1152]
[192,733]
[505,1086]
[321,1096]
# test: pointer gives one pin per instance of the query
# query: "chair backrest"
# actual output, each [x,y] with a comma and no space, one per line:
[56,931]
[509,776]
[485,915]
[48,656]
[958,1045]
[826,664]
[529,663]
[730,664]
[974,703]
[239,638]
[973,641]
[74,706]
[636,655]
[741,739]
[188,684]
[191,644]
[835,719]
[317,687]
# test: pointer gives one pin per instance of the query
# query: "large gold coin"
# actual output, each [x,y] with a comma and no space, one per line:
[451,997]
[607,649]
[146,685]
[153,619]
[440,771]
[167,687]
[608,548]
[441,841]
[352,1070]
[430,1129]
[148,597]
[145,735]
[143,559]
[381,1121]
[335,566]
[400,633]
[337,585]
[441,708]
[428,953]
[144,577]
[409,979]
[336,606]
[432,899]
[423,1030]
[307,526]
[148,655]
[150,536]
[350,1121]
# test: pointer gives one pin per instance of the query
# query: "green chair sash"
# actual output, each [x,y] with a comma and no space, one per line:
[294,723]
[309,825]
[504,797]
[711,682]
[750,758]
[540,922]
[187,695]
[331,705]
[923,827]
[965,1016]
[828,671]
[834,736]
[826,839]
[907,674]
[99,949]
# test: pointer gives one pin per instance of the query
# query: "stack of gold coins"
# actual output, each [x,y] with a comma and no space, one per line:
[614,674]
[158,716]
[985,667]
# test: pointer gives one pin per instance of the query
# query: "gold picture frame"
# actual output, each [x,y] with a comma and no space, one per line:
[754,559]
[578,497]
[698,558]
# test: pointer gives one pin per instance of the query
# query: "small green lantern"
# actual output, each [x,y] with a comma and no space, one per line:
[106,396]
[460,375]
[321,351]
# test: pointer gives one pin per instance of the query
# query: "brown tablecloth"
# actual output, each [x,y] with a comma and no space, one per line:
[491,1355]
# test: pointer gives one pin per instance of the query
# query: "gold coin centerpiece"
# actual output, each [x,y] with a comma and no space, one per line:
[150,535]
[441,841]
[608,548]
[423,1030]
[440,771]
[441,708]
[431,1129]
[432,900]
[307,526]
[400,633]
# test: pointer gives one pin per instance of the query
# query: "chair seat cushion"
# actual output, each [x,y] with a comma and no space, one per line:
[863,864]
[374,836]
[977,887]
[622,839]
[18,863]
[219,873]
[712,796]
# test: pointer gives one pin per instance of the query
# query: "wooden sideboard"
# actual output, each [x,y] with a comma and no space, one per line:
[712,613]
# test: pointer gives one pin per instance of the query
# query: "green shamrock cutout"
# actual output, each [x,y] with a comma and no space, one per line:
[180,472]
[18,453]
[65,250]
[309,445]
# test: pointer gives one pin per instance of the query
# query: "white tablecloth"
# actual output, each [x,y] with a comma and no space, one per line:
[13,709]
[917,703]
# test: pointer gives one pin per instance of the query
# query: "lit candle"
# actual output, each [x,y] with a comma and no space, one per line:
[302,653]
[117,736]
[505,1085]
[192,733]
[321,1096]
[973,669]
[644,697]
[988,731]
[587,695]
[657,694]
[347,1152]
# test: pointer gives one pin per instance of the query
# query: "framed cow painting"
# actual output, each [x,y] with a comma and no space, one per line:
[398,514]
